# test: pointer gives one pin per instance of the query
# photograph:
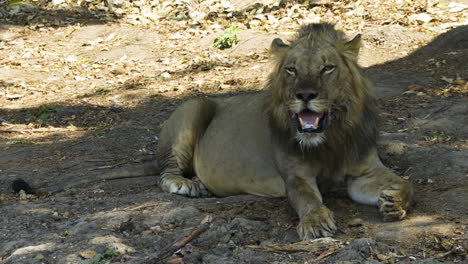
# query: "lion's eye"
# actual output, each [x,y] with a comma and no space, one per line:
[291,71]
[328,69]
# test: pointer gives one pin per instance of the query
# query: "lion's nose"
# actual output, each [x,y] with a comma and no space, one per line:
[306,96]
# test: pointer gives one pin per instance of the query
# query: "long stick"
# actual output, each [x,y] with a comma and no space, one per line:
[178,244]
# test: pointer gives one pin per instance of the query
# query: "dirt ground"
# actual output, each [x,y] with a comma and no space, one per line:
[84,89]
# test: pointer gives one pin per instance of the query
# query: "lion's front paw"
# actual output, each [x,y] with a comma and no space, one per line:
[394,200]
[316,223]
[183,186]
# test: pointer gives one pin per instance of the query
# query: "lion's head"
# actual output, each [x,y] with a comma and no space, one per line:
[318,92]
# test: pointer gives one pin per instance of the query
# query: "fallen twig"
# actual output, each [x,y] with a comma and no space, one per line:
[315,245]
[144,206]
[101,160]
[169,250]
[443,255]
[326,253]
[71,32]
[108,166]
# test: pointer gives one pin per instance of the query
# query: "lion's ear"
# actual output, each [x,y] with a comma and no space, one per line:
[352,47]
[278,46]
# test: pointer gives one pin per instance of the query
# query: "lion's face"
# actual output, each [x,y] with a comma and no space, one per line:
[309,81]
[315,86]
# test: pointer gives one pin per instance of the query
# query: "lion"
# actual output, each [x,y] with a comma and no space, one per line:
[314,125]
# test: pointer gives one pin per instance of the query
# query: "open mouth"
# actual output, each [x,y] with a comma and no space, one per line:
[311,122]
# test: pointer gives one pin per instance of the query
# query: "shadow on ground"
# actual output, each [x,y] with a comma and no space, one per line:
[32,15]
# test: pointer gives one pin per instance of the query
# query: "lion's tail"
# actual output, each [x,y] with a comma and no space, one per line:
[146,169]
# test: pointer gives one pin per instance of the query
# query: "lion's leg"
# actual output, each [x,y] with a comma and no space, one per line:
[316,220]
[372,183]
[177,143]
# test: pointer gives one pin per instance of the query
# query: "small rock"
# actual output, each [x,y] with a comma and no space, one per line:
[118,11]
[58,2]
[115,2]
[118,70]
[421,18]
[356,222]
[166,75]
[22,195]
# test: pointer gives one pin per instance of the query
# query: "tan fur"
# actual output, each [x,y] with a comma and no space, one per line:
[250,143]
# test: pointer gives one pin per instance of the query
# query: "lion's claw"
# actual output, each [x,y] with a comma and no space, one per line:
[392,202]
[316,223]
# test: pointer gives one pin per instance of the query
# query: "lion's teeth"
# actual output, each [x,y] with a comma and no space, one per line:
[309,120]
[302,122]
[316,123]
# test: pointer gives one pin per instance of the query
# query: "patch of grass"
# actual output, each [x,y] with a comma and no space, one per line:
[142,245]
[101,90]
[438,137]
[14,2]
[43,112]
[103,258]
[228,38]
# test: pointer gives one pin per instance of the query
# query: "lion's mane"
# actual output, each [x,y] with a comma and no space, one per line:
[353,129]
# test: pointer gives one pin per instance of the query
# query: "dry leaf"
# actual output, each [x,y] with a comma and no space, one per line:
[88,254]
[449,80]
[381,257]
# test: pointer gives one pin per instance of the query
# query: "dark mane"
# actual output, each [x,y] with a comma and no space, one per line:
[320,30]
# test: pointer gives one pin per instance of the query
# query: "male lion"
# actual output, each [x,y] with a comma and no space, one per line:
[314,124]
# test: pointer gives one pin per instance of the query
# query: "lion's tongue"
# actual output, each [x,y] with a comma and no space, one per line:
[309,119]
